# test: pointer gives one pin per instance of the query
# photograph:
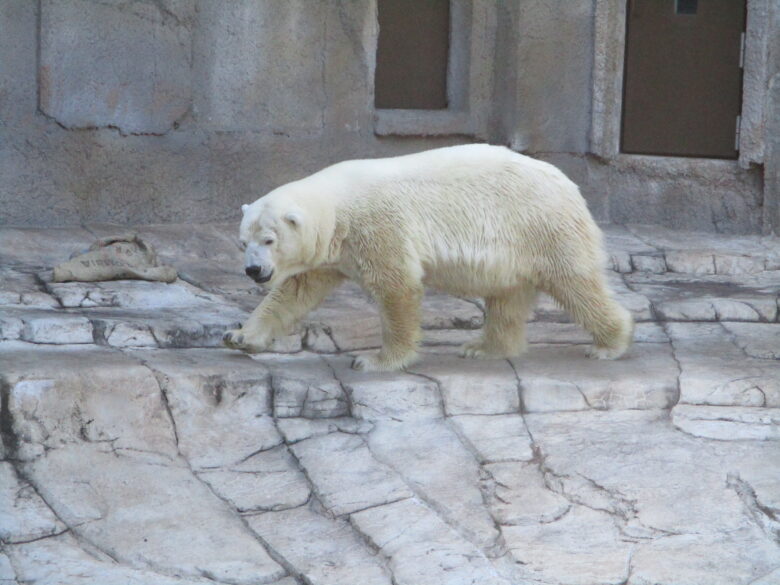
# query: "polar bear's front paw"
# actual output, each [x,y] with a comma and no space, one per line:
[480,350]
[233,338]
[238,339]
[605,353]
[381,363]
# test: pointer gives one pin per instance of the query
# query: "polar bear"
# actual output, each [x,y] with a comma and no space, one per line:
[472,220]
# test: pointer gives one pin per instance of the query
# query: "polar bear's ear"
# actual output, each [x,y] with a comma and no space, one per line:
[244,207]
[293,218]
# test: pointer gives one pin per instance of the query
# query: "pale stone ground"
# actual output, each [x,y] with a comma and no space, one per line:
[136,450]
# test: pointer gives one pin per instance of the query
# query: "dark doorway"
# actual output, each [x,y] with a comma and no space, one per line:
[412,54]
[683,77]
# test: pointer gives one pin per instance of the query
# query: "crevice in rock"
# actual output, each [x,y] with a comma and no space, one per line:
[37,538]
[733,339]
[676,399]
[766,517]
[521,408]
[439,391]
[162,385]
[86,544]
[12,562]
[345,390]
[8,435]
[312,486]
[431,502]
[763,575]
[643,239]
[381,504]
[629,567]
[385,561]
[273,554]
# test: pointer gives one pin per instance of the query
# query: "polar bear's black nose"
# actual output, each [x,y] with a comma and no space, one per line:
[256,274]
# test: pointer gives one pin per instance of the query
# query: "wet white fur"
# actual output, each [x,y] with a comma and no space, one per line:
[473,220]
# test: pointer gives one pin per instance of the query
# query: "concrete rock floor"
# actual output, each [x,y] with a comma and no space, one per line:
[135,449]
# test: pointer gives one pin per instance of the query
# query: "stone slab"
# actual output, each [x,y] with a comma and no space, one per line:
[728,423]
[517,495]
[580,547]
[667,479]
[331,553]
[646,378]
[23,288]
[388,395]
[347,477]
[64,560]
[304,386]
[494,438]
[150,515]
[470,386]
[622,246]
[715,371]
[219,401]
[267,481]
[757,340]
[712,559]
[57,329]
[706,253]
[421,548]
[681,297]
[298,429]
[24,516]
[440,470]
[61,396]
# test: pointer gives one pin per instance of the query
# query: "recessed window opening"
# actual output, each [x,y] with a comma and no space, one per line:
[412,55]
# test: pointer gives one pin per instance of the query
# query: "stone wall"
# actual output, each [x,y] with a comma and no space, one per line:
[152,111]
[178,110]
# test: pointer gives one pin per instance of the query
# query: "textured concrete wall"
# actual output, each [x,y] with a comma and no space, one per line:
[772,131]
[554,54]
[181,110]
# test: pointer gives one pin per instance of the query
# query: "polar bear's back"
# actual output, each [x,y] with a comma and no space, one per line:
[465,176]
[468,213]
[486,191]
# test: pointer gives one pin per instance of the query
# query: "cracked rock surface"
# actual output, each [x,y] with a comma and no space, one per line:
[136,449]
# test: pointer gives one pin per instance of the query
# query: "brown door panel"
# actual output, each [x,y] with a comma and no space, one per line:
[683,81]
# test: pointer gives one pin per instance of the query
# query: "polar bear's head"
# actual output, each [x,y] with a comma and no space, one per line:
[276,234]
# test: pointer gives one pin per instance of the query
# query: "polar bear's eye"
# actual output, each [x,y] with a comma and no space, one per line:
[268,241]
[242,245]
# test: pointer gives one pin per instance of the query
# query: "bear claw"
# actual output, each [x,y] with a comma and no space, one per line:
[364,363]
[478,350]
[233,339]
[605,353]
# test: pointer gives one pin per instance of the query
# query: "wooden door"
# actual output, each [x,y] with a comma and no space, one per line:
[683,77]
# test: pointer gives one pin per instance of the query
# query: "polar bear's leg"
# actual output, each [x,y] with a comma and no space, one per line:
[400,313]
[589,300]
[282,309]
[504,332]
